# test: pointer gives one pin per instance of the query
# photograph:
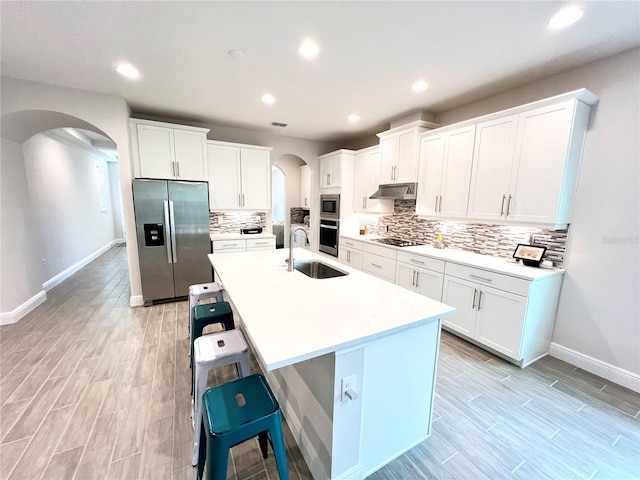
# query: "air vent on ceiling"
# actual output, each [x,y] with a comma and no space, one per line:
[278,124]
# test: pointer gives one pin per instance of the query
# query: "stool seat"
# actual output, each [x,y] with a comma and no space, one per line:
[213,351]
[233,413]
[203,291]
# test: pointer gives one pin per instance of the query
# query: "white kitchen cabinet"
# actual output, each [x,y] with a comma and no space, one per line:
[366,180]
[239,176]
[350,252]
[305,186]
[330,170]
[234,245]
[420,274]
[444,172]
[525,165]
[508,315]
[399,153]
[380,261]
[168,151]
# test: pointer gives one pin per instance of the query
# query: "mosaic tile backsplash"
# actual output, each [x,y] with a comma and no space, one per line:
[298,214]
[495,240]
[233,222]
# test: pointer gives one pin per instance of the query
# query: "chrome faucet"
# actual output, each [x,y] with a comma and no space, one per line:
[293,231]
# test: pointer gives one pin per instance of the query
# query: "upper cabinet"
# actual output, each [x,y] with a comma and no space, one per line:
[168,151]
[305,186]
[239,176]
[336,169]
[399,153]
[445,171]
[526,165]
[366,182]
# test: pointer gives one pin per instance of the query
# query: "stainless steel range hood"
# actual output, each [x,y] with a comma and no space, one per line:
[397,191]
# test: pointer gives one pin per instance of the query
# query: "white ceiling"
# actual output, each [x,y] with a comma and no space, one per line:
[371,53]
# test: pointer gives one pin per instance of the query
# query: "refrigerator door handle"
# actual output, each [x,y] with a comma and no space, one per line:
[167,227]
[174,248]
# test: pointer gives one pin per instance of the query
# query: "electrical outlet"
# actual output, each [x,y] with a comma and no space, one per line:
[220,220]
[348,383]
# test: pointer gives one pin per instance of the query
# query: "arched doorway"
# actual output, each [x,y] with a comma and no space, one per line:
[289,165]
[60,190]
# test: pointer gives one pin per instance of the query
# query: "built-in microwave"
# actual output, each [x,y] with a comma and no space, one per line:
[330,206]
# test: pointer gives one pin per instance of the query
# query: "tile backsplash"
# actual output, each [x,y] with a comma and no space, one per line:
[487,239]
[298,214]
[225,222]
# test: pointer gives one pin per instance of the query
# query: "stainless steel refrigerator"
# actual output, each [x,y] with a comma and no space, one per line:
[172,226]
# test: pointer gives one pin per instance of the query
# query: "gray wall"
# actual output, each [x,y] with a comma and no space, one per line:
[598,314]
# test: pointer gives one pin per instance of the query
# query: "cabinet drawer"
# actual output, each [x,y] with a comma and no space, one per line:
[261,243]
[229,245]
[381,251]
[421,261]
[353,244]
[484,277]
[381,266]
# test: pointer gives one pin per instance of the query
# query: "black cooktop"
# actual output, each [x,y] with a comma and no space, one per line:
[397,242]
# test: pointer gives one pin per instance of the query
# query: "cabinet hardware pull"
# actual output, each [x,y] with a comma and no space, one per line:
[377,266]
[416,261]
[440,207]
[239,201]
[243,199]
[504,197]
[435,209]
[480,301]
[305,201]
[509,206]
[484,279]
[475,293]
[348,256]
[173,169]
[417,279]
[262,243]
[328,179]
[413,278]
[229,244]
[396,174]
[178,168]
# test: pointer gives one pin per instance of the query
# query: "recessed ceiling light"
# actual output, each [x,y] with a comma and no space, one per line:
[565,17]
[236,54]
[308,49]
[268,99]
[419,86]
[353,117]
[127,70]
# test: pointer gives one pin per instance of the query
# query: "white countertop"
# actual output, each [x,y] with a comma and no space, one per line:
[239,236]
[290,317]
[485,262]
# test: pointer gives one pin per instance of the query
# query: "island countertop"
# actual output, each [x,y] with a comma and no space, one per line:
[290,317]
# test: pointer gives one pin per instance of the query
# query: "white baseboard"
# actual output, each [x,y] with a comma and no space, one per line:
[136,301]
[66,273]
[597,367]
[7,318]
[118,241]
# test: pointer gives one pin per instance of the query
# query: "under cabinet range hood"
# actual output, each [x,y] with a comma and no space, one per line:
[397,191]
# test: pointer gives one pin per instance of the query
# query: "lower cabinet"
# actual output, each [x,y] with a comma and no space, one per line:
[379,261]
[350,252]
[242,245]
[421,274]
[511,316]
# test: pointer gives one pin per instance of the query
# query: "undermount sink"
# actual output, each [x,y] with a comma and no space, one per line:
[317,270]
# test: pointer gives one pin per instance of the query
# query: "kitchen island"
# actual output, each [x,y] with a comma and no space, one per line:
[313,336]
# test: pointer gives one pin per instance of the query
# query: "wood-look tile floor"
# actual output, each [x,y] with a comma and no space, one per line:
[93,389]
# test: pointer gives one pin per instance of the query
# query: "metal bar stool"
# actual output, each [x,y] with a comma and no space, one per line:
[233,413]
[203,291]
[213,351]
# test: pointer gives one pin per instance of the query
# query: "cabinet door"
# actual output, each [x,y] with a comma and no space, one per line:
[305,186]
[407,157]
[492,162]
[456,174]
[406,276]
[325,172]
[224,177]
[156,151]
[256,179]
[388,155]
[463,296]
[430,173]
[355,259]
[541,154]
[500,321]
[429,283]
[190,155]
[336,171]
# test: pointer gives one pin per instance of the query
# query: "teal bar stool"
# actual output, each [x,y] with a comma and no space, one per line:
[208,314]
[233,413]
